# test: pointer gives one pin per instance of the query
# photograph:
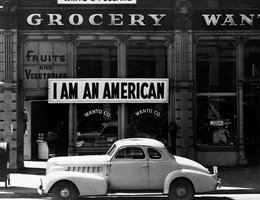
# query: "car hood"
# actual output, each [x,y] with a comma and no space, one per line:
[186,163]
[89,159]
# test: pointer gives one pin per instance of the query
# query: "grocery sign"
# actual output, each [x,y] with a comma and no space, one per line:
[226,19]
[108,90]
[96,19]
[96,2]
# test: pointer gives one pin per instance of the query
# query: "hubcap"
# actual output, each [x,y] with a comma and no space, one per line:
[181,191]
[65,192]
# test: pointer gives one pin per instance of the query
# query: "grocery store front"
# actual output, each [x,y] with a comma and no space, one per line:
[102,80]
[226,44]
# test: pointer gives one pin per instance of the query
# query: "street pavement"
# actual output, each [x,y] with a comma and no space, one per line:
[235,180]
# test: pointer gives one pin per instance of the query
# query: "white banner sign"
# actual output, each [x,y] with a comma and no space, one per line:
[96,2]
[108,90]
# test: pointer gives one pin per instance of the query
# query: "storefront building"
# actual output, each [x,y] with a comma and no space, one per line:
[96,72]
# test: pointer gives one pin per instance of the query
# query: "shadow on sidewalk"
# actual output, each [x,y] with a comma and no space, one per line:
[240,176]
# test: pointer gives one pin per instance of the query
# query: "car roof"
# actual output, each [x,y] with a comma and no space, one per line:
[140,142]
[111,123]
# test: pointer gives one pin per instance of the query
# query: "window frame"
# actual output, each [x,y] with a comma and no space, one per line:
[129,158]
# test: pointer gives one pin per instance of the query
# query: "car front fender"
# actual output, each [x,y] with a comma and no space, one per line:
[202,182]
[87,184]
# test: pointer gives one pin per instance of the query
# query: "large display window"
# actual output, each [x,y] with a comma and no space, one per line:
[216,116]
[147,120]
[96,128]
[251,99]
[97,123]
[216,66]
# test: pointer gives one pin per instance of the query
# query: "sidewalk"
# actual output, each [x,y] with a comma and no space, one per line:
[240,179]
[23,183]
[234,180]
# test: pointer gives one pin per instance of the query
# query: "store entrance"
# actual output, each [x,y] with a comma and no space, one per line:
[252,128]
[47,120]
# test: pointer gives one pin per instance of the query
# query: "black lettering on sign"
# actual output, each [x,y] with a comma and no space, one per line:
[123,90]
[106,94]
[160,90]
[131,91]
[143,86]
[152,92]
[69,93]
[54,90]
[91,93]
[115,90]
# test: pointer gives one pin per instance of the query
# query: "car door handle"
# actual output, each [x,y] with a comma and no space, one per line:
[144,165]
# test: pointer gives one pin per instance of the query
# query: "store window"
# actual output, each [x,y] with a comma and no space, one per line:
[96,123]
[252,59]
[216,67]
[216,120]
[251,100]
[216,93]
[147,60]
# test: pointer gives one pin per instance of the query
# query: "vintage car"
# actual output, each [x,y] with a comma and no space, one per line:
[130,165]
[106,134]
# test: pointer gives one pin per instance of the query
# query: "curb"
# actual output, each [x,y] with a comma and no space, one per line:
[231,190]
[18,192]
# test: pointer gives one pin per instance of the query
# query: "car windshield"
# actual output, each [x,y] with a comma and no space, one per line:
[111,150]
[100,128]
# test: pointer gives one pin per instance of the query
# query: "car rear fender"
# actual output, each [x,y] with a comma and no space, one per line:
[87,184]
[202,182]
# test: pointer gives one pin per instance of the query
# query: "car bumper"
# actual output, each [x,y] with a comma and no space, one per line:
[40,189]
[218,180]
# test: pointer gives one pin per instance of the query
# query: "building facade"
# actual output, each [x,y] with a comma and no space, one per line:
[183,72]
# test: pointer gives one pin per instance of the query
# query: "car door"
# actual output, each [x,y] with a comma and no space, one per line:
[128,170]
[159,167]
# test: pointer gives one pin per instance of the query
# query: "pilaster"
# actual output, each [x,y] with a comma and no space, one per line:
[184,83]
[121,43]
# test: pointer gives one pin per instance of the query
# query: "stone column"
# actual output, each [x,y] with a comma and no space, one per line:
[10,114]
[184,80]
[71,41]
[121,42]
[240,80]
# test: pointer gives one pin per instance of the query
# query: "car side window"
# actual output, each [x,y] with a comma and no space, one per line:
[154,154]
[130,153]
[110,131]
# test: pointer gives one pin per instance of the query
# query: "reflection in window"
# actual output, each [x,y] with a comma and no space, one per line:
[216,67]
[97,125]
[216,120]
[252,59]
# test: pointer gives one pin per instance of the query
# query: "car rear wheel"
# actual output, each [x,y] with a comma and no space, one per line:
[64,191]
[181,189]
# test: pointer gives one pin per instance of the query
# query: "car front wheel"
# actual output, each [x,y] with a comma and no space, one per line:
[64,191]
[181,189]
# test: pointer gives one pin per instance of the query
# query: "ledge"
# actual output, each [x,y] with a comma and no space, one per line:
[209,148]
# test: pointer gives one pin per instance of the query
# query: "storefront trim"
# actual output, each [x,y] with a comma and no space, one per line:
[202,148]
[216,94]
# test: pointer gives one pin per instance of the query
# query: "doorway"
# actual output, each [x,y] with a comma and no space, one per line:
[252,128]
[44,118]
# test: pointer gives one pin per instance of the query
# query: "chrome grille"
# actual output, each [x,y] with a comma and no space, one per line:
[86,169]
